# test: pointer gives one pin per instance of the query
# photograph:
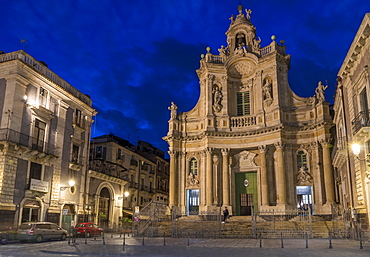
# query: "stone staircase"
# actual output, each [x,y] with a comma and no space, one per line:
[242,227]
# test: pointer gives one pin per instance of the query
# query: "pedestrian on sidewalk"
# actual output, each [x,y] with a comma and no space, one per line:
[226,214]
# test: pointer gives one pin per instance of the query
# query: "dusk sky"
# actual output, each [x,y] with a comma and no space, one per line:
[135,57]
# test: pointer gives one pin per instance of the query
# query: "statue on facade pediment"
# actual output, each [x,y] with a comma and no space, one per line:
[173,109]
[320,91]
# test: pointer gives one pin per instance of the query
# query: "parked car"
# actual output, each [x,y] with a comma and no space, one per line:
[7,234]
[88,229]
[39,231]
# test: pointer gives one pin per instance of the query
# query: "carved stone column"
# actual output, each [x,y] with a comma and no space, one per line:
[328,172]
[209,178]
[173,178]
[225,177]
[280,175]
[264,180]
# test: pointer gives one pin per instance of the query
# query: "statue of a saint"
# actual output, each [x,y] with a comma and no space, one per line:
[320,91]
[173,109]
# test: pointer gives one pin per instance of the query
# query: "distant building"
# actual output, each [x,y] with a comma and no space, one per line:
[250,144]
[352,119]
[116,167]
[44,137]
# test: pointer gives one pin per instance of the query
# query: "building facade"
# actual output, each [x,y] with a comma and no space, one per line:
[44,137]
[250,143]
[123,176]
[352,121]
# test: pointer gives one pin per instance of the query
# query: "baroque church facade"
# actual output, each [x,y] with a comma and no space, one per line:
[250,143]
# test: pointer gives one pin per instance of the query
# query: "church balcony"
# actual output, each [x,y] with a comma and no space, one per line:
[361,123]
[242,121]
[12,136]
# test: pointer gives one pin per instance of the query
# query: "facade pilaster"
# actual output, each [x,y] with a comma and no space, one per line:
[328,172]
[225,177]
[280,175]
[264,180]
[173,178]
[209,177]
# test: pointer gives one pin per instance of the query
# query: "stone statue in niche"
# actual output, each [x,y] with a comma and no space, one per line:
[320,91]
[267,92]
[303,176]
[217,97]
[173,109]
[240,40]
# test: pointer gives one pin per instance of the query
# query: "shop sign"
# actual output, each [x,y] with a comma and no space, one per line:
[39,185]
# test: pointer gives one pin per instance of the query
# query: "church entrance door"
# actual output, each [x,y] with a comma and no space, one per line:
[192,197]
[304,197]
[246,193]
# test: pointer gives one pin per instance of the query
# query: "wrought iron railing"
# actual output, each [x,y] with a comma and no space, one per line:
[28,141]
[109,168]
[362,119]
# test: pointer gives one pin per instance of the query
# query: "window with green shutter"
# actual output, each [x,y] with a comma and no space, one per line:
[243,104]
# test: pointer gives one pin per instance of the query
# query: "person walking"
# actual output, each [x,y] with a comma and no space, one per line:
[226,214]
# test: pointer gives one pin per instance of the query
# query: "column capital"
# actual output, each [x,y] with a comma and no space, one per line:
[173,153]
[325,142]
[279,145]
[208,150]
[263,148]
[225,151]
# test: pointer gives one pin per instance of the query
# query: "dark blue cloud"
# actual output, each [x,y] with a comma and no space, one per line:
[135,57]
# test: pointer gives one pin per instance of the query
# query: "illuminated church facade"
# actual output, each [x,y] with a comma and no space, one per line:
[250,143]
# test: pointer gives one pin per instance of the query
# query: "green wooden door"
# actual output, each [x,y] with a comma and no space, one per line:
[246,193]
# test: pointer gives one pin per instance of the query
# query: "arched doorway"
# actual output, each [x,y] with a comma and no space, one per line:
[104,203]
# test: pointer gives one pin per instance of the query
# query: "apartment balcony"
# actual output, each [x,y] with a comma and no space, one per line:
[361,123]
[12,136]
[108,168]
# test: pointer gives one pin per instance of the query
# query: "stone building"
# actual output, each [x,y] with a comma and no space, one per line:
[250,143]
[118,167]
[44,137]
[352,121]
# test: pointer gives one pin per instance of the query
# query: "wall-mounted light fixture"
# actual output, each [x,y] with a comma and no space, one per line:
[356,149]
[71,183]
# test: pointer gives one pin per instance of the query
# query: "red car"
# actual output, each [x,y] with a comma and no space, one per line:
[88,229]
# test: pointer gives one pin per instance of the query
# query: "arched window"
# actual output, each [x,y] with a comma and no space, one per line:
[301,159]
[194,166]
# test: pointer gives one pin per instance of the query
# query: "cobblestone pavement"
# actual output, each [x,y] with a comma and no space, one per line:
[114,246]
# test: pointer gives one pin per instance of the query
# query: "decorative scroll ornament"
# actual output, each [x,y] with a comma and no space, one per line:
[303,176]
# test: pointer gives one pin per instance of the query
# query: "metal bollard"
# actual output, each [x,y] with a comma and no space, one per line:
[361,247]
[330,245]
[164,239]
[111,235]
[103,238]
[306,240]
[188,239]
[85,238]
[260,240]
[143,241]
[282,242]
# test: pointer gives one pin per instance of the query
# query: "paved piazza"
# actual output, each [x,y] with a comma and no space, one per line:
[183,247]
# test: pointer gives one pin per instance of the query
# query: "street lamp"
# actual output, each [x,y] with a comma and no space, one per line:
[356,149]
